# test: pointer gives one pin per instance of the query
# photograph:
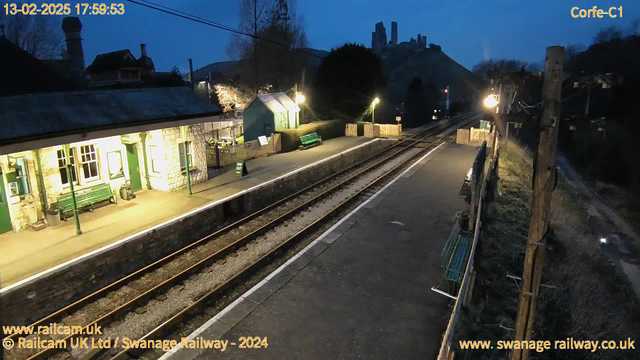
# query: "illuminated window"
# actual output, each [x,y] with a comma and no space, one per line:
[62,168]
[189,155]
[89,162]
[154,155]
[114,160]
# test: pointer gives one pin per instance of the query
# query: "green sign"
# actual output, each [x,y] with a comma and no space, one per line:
[241,168]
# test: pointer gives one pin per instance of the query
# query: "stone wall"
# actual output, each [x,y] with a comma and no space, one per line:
[172,138]
[34,300]
[167,176]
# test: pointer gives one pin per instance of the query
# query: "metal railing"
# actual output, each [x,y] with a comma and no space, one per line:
[463,296]
[220,157]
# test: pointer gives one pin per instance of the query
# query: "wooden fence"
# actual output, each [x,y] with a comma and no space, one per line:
[221,157]
[474,136]
[466,287]
[351,130]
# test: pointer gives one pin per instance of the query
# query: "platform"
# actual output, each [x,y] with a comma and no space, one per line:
[362,289]
[28,252]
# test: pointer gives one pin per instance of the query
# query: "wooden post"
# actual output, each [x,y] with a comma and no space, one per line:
[543,176]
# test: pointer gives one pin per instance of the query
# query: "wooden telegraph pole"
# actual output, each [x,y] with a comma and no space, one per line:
[543,178]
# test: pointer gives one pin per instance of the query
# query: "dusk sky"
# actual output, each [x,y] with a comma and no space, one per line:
[467,30]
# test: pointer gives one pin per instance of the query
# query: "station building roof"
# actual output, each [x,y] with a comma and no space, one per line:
[47,115]
[276,102]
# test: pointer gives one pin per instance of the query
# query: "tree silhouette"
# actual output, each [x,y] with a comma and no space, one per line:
[348,80]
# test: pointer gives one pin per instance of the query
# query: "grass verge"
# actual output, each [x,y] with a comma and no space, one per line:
[589,301]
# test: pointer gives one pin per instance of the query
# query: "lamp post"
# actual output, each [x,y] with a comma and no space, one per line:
[375,102]
[184,130]
[70,171]
[446,91]
[299,98]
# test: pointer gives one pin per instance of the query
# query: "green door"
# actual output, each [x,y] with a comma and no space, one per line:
[134,167]
[5,218]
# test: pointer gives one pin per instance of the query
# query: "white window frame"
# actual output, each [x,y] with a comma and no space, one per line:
[87,158]
[64,166]
[155,158]
[189,149]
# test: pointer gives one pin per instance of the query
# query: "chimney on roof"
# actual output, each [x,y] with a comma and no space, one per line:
[72,27]
[143,50]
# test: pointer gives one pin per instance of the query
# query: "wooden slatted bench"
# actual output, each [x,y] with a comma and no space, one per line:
[310,140]
[85,198]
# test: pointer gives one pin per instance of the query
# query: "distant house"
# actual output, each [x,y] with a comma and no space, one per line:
[113,136]
[120,68]
[269,113]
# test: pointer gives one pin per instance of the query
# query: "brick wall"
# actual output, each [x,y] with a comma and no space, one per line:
[36,299]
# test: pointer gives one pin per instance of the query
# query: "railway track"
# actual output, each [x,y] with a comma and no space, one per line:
[134,292]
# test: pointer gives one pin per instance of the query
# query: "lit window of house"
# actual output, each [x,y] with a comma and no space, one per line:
[62,167]
[89,162]
[154,154]
[189,155]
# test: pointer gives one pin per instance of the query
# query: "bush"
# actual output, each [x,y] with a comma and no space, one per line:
[327,129]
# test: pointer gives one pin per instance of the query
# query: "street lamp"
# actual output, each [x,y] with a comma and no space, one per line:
[375,102]
[491,101]
[299,100]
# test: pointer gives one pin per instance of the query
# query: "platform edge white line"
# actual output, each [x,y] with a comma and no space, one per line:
[168,222]
[230,307]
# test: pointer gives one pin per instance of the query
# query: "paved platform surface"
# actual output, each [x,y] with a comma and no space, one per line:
[361,290]
[28,252]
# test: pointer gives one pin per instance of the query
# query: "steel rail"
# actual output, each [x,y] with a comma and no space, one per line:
[248,270]
[138,273]
[236,244]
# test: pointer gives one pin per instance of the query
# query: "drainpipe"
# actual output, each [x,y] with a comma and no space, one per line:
[43,191]
[73,194]
[186,157]
[143,140]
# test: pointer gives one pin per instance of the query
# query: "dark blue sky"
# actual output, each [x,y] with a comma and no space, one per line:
[467,30]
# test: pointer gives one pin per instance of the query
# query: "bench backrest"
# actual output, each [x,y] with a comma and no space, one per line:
[313,137]
[86,196]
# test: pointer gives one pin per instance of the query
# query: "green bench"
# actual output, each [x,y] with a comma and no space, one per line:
[310,140]
[85,198]
[455,253]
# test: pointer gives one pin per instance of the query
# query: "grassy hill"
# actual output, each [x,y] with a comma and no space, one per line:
[218,69]
[402,63]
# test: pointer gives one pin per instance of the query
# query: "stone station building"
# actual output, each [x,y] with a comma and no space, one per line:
[113,136]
